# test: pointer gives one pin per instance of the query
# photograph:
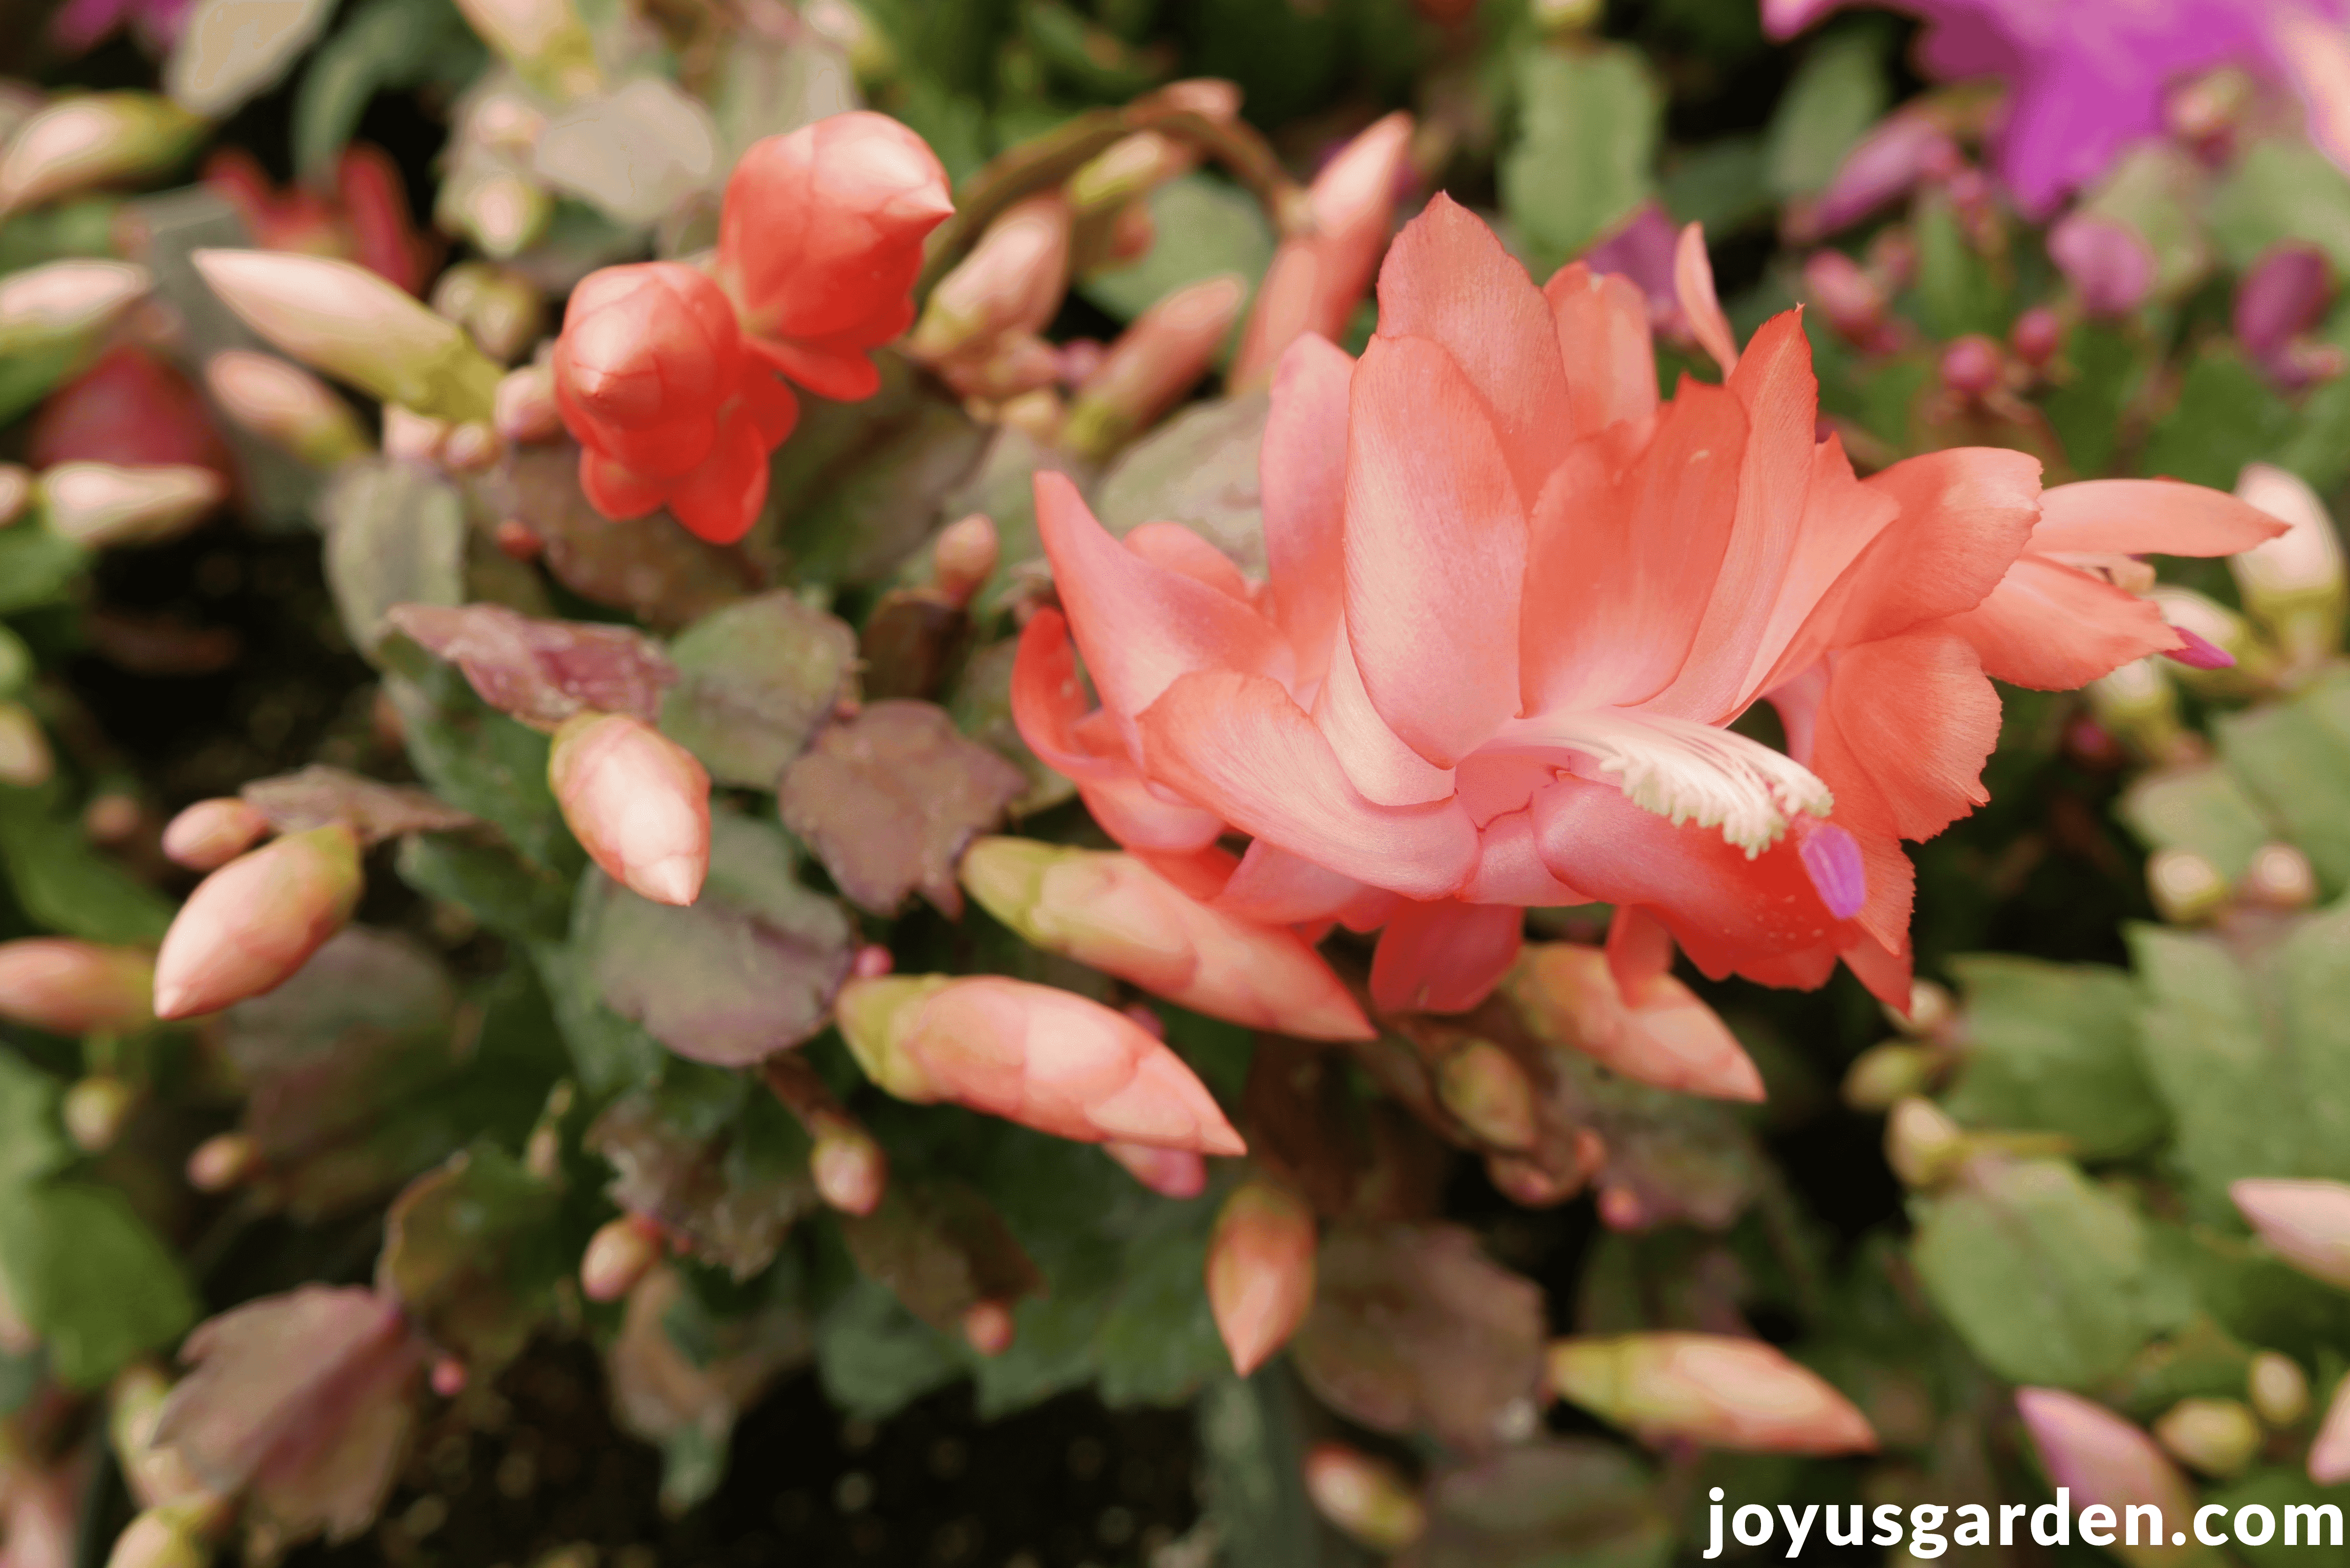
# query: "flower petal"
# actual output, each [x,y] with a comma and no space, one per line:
[1840,517]
[1510,869]
[1693,283]
[1617,575]
[1381,765]
[1447,279]
[1238,745]
[1444,957]
[1274,888]
[2148,516]
[1602,321]
[2054,628]
[1435,551]
[1302,474]
[1903,732]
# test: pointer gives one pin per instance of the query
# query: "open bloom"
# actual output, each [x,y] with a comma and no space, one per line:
[1515,603]
[820,239]
[2086,80]
[651,378]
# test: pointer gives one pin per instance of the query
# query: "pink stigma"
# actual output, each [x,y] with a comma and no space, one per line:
[1832,859]
[2199,652]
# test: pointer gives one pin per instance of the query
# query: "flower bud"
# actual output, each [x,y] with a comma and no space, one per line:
[1046,1058]
[2102,1459]
[499,211]
[2278,1388]
[1715,1389]
[638,802]
[543,40]
[1850,299]
[525,408]
[2036,336]
[2280,877]
[2108,263]
[61,301]
[251,924]
[2296,585]
[1316,280]
[92,139]
[820,241]
[67,986]
[94,1110]
[501,308]
[1570,996]
[158,1476]
[1931,1012]
[2217,1436]
[285,406]
[850,1170]
[159,1538]
[342,319]
[1888,161]
[1885,1075]
[2138,703]
[1922,1144]
[1011,281]
[1260,1271]
[212,833]
[99,506]
[872,58]
[2329,1453]
[618,1254]
[450,1376]
[223,1161]
[1971,366]
[2186,888]
[1364,1497]
[1128,170]
[25,760]
[15,492]
[1170,1172]
[1483,1085]
[987,1328]
[1115,913]
[1153,363]
[2305,1222]
[2283,295]
[964,556]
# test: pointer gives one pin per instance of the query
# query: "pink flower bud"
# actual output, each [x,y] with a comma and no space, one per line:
[1715,1389]
[2329,1452]
[638,802]
[2306,1223]
[94,1110]
[212,833]
[450,1376]
[1365,1497]
[1890,159]
[223,1161]
[1113,912]
[251,924]
[2103,1460]
[525,408]
[2284,294]
[651,378]
[820,239]
[850,1170]
[1046,1058]
[1850,299]
[1011,281]
[1153,363]
[92,139]
[2110,266]
[338,317]
[1261,1270]
[25,760]
[987,1328]
[1671,1039]
[1316,280]
[70,987]
[2036,336]
[1971,365]
[1169,1172]
[55,304]
[964,556]
[618,1254]
[285,406]
[99,506]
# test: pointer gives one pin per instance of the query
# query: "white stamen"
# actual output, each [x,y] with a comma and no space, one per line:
[1681,769]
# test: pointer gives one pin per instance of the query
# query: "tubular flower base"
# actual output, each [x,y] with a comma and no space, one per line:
[69,987]
[1709,1389]
[251,924]
[1515,599]
[638,802]
[1047,1059]
[1261,1270]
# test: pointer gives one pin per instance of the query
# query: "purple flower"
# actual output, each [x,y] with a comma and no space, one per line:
[80,25]
[2085,78]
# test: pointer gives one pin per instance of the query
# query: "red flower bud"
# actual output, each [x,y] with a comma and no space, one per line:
[820,239]
[651,378]
[212,833]
[638,802]
[69,987]
[251,924]
[1260,1271]
[618,1254]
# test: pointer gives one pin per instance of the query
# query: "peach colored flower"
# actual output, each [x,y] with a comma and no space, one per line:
[1516,601]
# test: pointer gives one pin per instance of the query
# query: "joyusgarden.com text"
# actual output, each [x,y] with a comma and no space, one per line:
[1934,1527]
